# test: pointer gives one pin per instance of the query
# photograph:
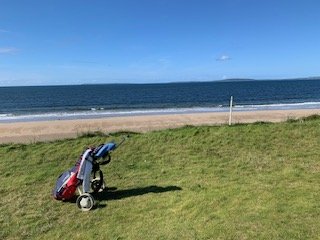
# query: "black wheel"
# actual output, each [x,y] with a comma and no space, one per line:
[97,182]
[85,202]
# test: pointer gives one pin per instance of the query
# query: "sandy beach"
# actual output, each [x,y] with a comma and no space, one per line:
[28,132]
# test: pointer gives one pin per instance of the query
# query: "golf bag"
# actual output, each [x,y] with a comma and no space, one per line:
[84,175]
[68,181]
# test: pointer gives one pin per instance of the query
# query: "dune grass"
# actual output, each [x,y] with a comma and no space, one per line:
[248,181]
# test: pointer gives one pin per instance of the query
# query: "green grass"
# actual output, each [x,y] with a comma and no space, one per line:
[248,181]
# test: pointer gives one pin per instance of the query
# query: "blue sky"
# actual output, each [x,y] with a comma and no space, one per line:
[53,42]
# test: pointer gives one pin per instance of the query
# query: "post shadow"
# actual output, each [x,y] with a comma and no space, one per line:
[133,192]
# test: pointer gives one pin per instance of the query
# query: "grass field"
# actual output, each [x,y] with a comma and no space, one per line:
[253,181]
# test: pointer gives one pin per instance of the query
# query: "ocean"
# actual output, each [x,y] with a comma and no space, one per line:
[39,103]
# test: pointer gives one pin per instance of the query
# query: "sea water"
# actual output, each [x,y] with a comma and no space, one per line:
[106,100]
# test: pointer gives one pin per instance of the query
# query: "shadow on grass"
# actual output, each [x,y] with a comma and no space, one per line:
[114,194]
[120,194]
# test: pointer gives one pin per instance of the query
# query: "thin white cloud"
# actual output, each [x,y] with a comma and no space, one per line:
[164,60]
[8,50]
[224,58]
[3,31]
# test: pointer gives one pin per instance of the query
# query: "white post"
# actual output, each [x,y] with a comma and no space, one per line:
[230,113]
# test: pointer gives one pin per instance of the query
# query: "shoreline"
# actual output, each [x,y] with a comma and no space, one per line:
[101,113]
[29,132]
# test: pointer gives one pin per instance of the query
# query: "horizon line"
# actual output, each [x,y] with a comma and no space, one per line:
[174,82]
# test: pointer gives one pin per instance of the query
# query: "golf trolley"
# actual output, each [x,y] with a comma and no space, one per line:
[86,176]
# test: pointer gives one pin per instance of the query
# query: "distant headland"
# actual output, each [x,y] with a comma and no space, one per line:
[274,79]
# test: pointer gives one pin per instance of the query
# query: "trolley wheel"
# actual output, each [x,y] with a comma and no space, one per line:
[96,185]
[97,182]
[85,202]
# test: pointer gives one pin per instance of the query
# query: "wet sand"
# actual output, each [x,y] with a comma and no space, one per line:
[28,132]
